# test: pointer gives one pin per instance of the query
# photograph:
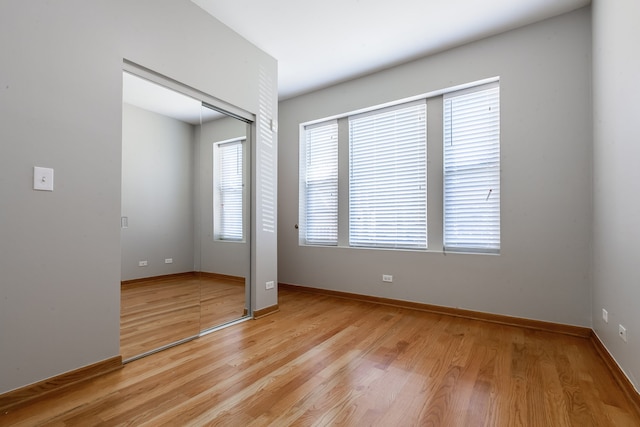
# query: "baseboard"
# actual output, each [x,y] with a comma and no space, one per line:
[21,396]
[142,280]
[221,276]
[540,325]
[189,274]
[619,376]
[257,314]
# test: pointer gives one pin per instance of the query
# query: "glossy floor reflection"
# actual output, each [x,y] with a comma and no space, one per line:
[324,361]
[222,299]
[159,311]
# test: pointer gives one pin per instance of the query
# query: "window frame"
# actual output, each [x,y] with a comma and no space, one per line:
[470,171]
[310,234]
[218,194]
[391,228]
[435,170]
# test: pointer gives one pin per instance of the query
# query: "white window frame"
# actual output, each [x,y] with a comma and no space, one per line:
[388,177]
[318,219]
[435,171]
[471,170]
[237,186]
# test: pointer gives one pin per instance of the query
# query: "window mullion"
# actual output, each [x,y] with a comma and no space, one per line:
[343,182]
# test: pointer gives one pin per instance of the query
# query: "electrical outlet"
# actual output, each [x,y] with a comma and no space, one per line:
[168,260]
[387,278]
[622,331]
[42,179]
[605,316]
[270,284]
[142,263]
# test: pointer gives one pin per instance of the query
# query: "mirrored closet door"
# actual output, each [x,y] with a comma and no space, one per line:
[185,217]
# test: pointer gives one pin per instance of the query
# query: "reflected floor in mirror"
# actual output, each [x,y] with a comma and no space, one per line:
[158,311]
[222,299]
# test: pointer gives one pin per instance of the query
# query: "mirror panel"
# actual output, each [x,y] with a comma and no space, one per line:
[178,278]
[224,212]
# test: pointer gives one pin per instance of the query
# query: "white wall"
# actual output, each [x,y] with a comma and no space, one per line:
[157,194]
[61,107]
[616,86]
[543,271]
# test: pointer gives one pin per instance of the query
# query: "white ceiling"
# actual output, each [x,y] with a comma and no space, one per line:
[320,43]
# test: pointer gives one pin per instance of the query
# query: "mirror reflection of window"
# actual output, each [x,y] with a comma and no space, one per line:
[229,190]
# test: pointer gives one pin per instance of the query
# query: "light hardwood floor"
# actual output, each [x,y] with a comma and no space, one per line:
[322,360]
[159,311]
[222,300]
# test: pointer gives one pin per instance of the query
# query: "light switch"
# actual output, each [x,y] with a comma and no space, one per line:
[42,179]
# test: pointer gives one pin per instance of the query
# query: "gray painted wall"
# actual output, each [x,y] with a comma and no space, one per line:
[543,271]
[232,258]
[616,86]
[161,190]
[61,107]
[157,194]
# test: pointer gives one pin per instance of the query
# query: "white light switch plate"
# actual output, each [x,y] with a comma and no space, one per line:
[42,179]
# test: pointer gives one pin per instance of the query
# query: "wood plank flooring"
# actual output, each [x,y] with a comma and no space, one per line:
[221,300]
[328,361]
[157,312]
[160,311]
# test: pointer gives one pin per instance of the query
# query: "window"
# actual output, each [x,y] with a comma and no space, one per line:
[368,179]
[472,170]
[319,161]
[229,188]
[387,185]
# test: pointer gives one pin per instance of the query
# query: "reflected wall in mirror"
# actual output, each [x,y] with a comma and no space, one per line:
[178,276]
[224,219]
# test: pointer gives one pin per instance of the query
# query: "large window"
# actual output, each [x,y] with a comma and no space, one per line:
[368,179]
[319,170]
[387,185]
[229,191]
[472,170]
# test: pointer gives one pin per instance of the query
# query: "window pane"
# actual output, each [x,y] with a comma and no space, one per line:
[387,186]
[320,185]
[472,170]
[230,191]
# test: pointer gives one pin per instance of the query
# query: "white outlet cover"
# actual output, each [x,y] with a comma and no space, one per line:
[42,179]
[622,331]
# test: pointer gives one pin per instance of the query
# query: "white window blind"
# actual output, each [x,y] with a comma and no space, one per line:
[320,186]
[472,170]
[230,187]
[387,186]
